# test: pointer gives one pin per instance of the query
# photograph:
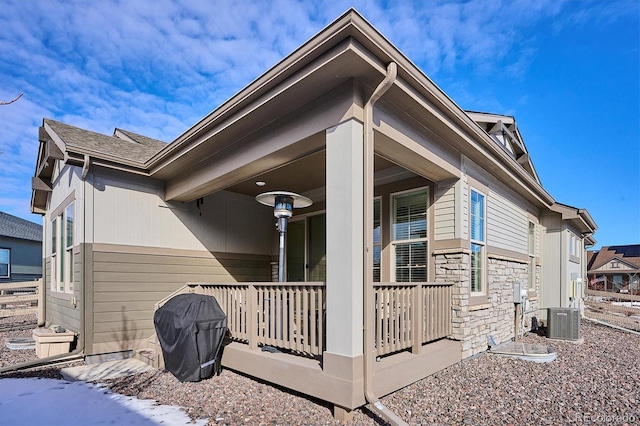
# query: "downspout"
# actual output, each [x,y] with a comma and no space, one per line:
[368,150]
[78,352]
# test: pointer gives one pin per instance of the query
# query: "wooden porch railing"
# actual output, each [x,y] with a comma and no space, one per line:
[283,315]
[410,314]
[292,315]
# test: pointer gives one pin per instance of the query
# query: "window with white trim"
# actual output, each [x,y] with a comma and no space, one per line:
[62,239]
[478,241]
[574,244]
[409,234]
[5,263]
[377,240]
[532,256]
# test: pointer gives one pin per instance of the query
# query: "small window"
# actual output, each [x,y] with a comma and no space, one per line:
[5,263]
[477,225]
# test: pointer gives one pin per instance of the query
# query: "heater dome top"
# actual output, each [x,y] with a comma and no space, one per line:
[270,198]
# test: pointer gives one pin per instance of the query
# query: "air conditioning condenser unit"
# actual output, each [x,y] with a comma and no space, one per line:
[563,323]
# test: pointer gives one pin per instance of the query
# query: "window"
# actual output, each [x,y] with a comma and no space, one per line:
[377,240]
[410,236]
[532,256]
[477,241]
[5,263]
[62,237]
[574,244]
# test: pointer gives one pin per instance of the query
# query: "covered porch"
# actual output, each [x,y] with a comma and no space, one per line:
[364,309]
[277,333]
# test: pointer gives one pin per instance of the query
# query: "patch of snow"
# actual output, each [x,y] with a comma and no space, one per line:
[37,401]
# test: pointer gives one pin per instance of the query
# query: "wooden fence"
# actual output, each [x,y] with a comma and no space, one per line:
[617,308]
[21,298]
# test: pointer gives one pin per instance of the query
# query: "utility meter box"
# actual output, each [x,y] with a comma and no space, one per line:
[519,293]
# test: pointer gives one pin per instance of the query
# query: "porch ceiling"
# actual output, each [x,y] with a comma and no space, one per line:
[308,174]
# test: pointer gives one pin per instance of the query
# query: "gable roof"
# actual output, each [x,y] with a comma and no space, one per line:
[629,254]
[503,129]
[123,146]
[15,227]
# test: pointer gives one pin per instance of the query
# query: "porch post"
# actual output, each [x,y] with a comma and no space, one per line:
[344,204]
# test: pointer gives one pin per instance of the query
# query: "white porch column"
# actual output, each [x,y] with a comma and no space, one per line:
[344,204]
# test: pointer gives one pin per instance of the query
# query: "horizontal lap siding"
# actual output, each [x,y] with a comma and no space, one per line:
[444,213]
[128,285]
[507,224]
[59,309]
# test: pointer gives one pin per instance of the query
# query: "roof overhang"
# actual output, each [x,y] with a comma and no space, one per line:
[579,218]
[349,49]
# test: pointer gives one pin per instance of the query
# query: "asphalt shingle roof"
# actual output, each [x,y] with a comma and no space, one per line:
[15,227]
[628,253]
[139,151]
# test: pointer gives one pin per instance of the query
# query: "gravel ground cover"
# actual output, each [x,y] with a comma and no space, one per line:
[596,382]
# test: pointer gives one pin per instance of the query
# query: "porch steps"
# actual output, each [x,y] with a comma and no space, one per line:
[150,352]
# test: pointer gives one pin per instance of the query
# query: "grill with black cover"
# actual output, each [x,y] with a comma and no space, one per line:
[191,328]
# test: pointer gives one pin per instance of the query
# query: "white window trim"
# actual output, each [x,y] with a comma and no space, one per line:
[531,248]
[60,230]
[483,244]
[394,243]
[379,244]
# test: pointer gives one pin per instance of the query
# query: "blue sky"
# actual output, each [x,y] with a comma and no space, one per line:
[567,70]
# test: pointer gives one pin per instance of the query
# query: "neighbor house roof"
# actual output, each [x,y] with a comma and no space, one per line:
[15,227]
[627,254]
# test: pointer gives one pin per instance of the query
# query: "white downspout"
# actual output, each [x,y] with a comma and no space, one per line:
[368,150]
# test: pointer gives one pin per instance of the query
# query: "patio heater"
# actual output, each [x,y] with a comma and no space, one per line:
[283,203]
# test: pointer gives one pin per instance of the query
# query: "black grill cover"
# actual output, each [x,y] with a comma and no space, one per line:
[190,328]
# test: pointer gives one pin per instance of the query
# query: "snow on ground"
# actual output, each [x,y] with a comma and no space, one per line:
[36,401]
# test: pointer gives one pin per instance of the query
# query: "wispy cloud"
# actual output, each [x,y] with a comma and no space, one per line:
[156,67]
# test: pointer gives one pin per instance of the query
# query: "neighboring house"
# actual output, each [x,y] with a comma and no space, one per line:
[424,217]
[20,249]
[568,234]
[615,268]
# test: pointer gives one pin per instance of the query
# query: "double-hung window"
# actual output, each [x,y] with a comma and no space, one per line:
[410,236]
[478,242]
[5,263]
[62,237]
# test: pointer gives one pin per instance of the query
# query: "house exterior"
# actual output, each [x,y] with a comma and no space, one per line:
[424,217]
[568,233]
[20,249]
[615,269]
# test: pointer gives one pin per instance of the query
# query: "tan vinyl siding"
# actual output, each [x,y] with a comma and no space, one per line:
[60,309]
[130,210]
[507,224]
[128,283]
[445,212]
